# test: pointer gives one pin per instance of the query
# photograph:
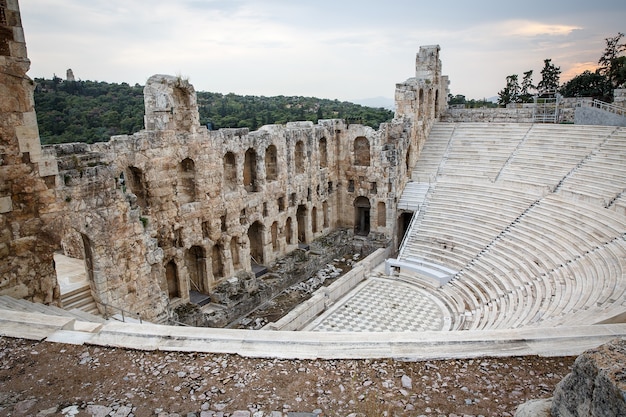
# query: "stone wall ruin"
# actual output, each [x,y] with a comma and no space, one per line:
[175,207]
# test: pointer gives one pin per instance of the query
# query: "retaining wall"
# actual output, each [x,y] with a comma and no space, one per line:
[324,297]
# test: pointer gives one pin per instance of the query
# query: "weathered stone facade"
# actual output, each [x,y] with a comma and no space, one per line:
[177,208]
[27,176]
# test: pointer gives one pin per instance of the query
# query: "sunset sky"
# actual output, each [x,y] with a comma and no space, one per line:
[344,50]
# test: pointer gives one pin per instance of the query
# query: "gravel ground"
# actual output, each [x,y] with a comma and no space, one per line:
[41,378]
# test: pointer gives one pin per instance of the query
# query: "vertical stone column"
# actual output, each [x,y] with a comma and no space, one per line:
[26,176]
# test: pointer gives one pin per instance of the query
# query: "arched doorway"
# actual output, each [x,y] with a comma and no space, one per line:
[301,218]
[196,267]
[361,216]
[171,275]
[404,221]
[255,236]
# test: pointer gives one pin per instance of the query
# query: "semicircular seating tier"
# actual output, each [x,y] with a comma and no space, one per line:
[531,219]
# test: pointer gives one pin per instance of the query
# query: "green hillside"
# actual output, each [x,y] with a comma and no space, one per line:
[92,111]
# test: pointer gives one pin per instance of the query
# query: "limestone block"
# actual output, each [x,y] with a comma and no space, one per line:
[6,204]
[596,387]
[28,139]
[13,5]
[18,35]
[48,166]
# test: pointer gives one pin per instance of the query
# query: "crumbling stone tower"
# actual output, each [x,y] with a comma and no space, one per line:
[27,176]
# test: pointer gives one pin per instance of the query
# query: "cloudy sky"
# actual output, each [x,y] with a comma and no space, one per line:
[341,49]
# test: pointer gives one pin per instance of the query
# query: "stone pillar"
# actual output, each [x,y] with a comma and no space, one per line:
[26,176]
[170,104]
[619,97]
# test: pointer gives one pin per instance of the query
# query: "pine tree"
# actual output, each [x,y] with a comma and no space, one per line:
[550,75]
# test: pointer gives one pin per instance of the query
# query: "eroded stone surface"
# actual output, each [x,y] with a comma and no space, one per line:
[596,386]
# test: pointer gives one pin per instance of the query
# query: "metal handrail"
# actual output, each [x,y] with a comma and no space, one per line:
[609,107]
[129,313]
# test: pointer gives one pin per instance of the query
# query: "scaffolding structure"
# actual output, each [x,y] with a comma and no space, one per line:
[546,109]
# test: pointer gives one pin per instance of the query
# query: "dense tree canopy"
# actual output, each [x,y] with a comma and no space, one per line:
[588,84]
[91,111]
[610,74]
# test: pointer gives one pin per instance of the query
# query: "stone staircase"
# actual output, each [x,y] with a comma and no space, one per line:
[80,299]
[19,305]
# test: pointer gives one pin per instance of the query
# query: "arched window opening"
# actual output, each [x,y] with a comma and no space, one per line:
[186,186]
[382,214]
[299,157]
[361,151]
[230,171]
[436,103]
[255,235]
[271,163]
[196,267]
[171,275]
[249,171]
[136,182]
[323,151]
[362,216]
[326,213]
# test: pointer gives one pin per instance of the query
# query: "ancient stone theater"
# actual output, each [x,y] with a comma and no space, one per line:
[480,225]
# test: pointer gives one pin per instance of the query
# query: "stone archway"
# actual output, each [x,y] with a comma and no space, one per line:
[255,236]
[362,216]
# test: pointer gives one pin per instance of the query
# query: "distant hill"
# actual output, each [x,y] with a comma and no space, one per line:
[377,102]
[92,111]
